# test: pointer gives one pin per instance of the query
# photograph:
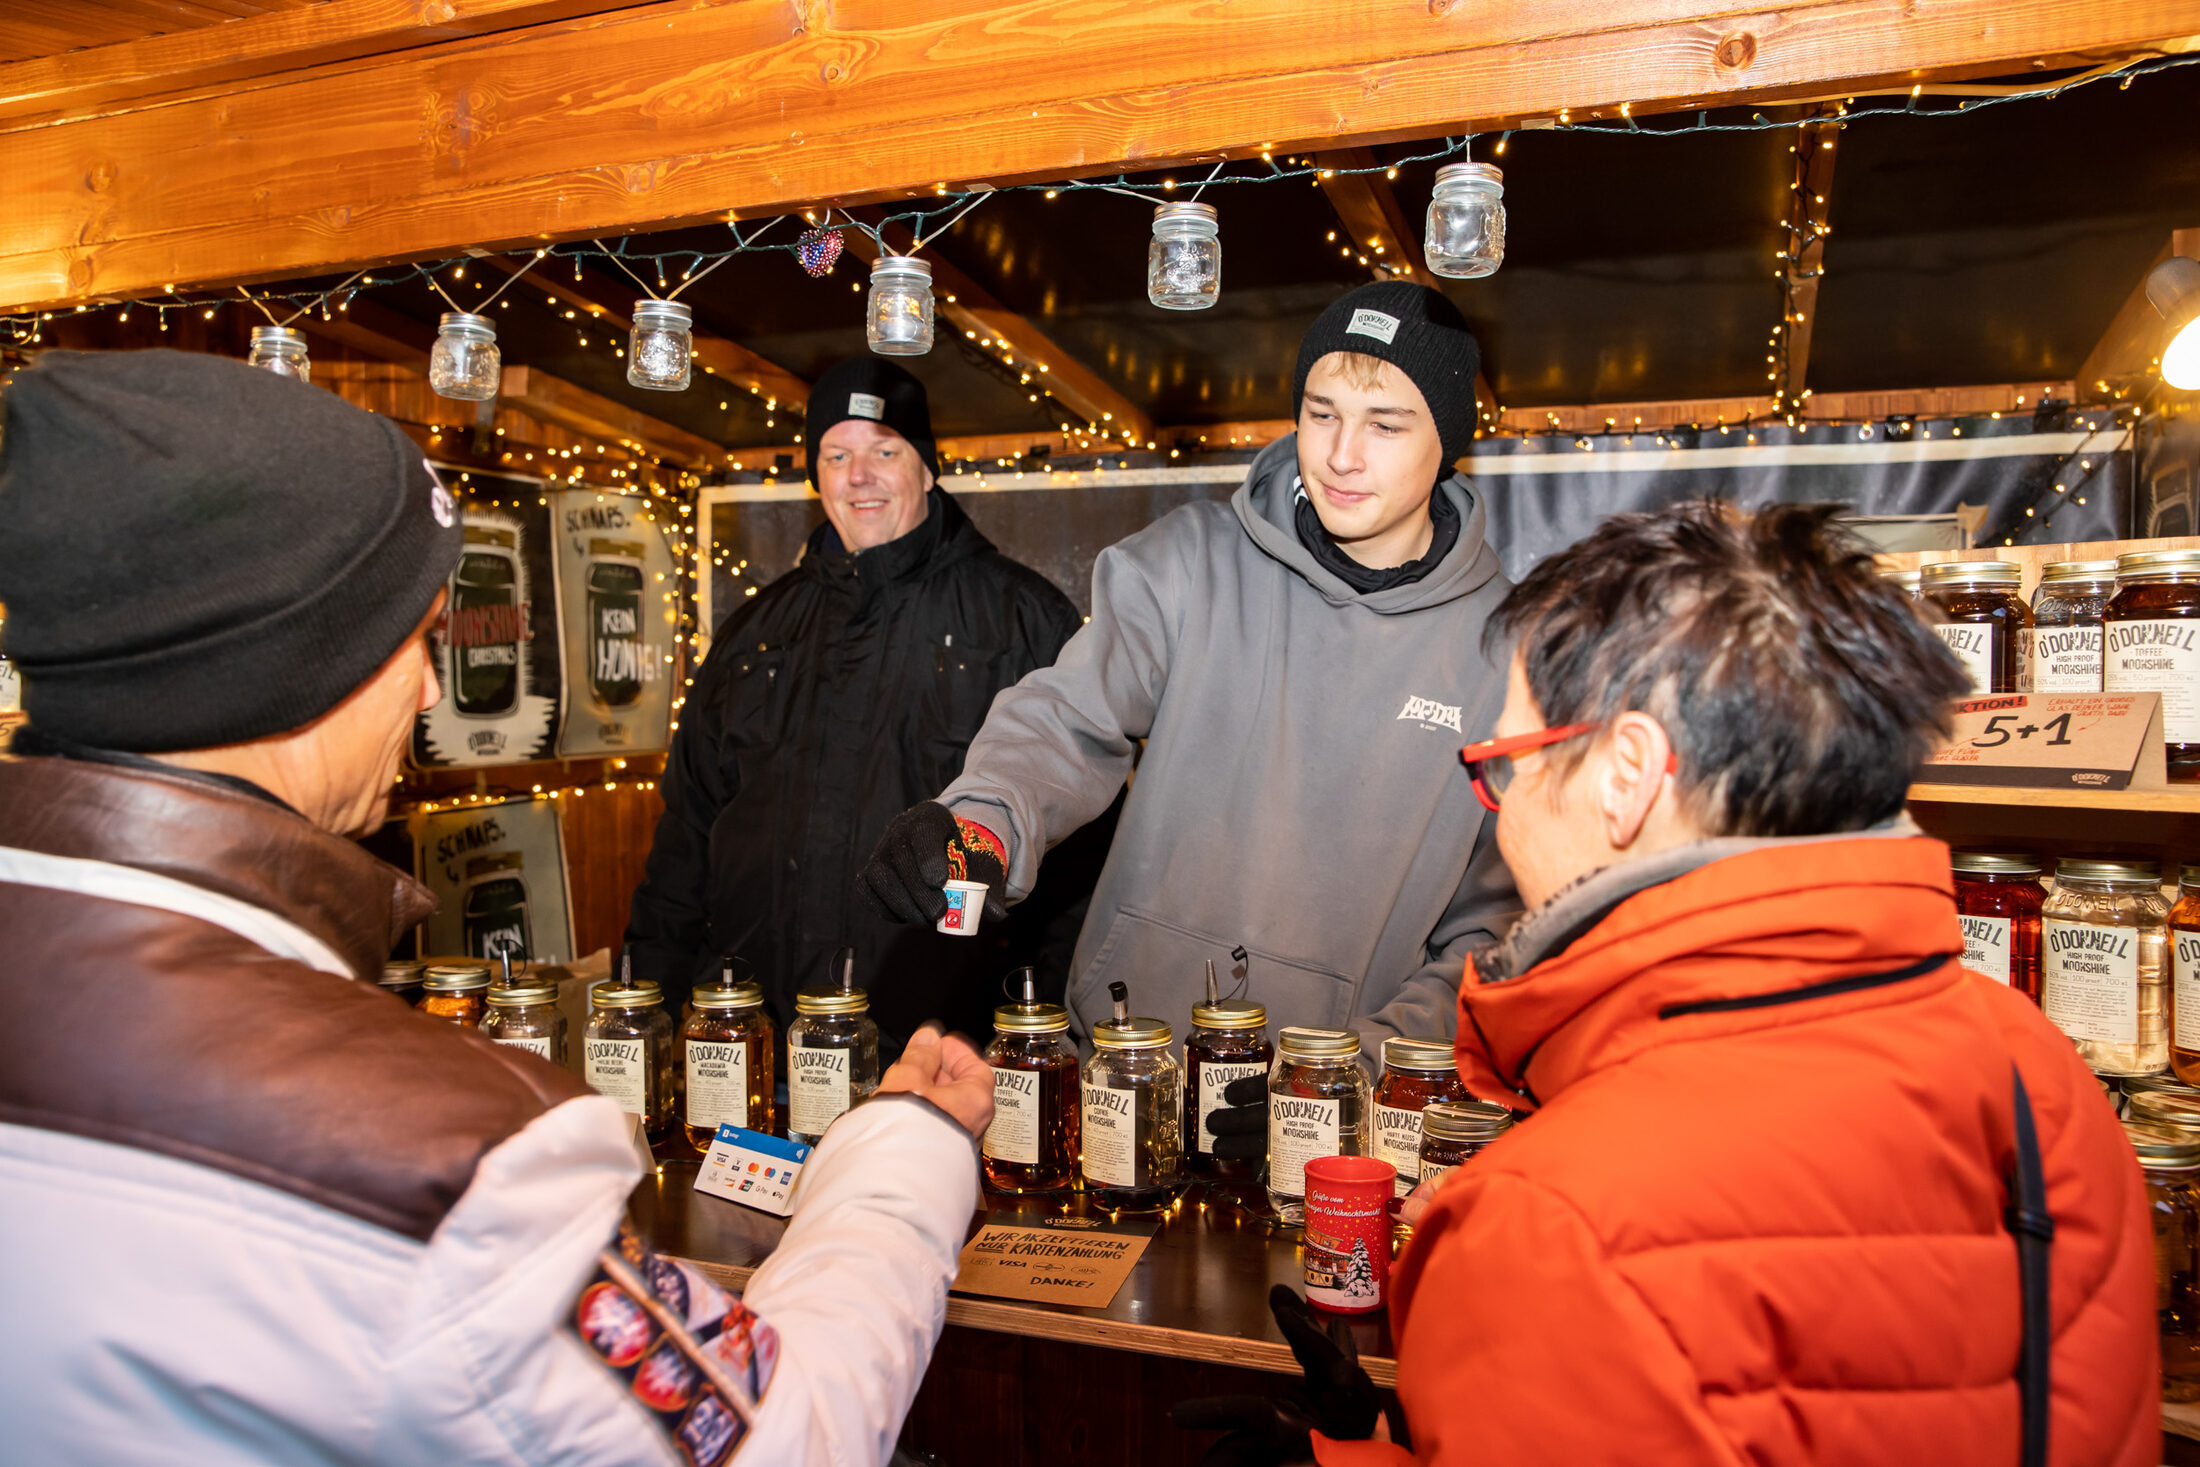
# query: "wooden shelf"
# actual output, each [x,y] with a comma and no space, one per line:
[2176,800]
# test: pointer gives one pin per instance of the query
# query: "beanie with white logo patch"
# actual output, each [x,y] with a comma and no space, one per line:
[1417,330]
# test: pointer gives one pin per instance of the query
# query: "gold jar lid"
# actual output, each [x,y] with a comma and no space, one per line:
[1030,1018]
[1229,1013]
[521,995]
[2166,1108]
[2140,1084]
[1464,1120]
[1906,579]
[401,971]
[1303,1042]
[833,1001]
[1993,863]
[1971,573]
[2062,571]
[728,996]
[456,977]
[2158,565]
[2075,868]
[1419,1054]
[2163,1148]
[639,994]
[1131,1033]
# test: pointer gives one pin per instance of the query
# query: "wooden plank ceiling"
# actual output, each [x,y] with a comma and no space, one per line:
[31,29]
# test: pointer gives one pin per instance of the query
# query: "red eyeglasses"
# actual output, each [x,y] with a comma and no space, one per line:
[1490,763]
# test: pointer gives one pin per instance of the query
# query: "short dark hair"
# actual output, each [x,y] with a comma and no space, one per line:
[1801,690]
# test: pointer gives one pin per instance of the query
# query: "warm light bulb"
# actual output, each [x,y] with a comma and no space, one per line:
[2181,362]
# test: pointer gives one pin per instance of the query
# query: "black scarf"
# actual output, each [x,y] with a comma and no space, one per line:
[1364,578]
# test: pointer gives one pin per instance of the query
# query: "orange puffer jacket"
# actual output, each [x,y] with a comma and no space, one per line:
[1758,1217]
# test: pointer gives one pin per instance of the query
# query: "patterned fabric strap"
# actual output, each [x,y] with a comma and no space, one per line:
[975,840]
[688,1351]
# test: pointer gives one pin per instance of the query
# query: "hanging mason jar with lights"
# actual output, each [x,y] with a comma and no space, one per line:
[280,350]
[465,363]
[660,352]
[1466,221]
[899,322]
[1184,262]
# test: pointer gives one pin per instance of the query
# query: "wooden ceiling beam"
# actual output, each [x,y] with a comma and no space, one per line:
[1646,417]
[1376,229]
[554,400]
[681,113]
[2132,345]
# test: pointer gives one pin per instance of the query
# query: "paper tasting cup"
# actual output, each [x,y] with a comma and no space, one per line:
[965,906]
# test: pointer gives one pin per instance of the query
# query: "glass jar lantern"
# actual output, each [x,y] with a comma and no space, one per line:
[281,350]
[661,350]
[2105,964]
[465,364]
[1465,238]
[1184,262]
[899,321]
[525,1016]
[1318,1103]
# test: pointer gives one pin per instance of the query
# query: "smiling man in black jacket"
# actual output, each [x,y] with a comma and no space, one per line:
[845,691]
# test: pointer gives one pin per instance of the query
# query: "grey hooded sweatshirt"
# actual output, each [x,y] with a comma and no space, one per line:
[1300,792]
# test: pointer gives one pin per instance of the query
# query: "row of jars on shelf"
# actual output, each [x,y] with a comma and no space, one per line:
[2128,625]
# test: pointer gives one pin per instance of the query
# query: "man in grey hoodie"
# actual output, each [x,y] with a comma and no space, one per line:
[1303,665]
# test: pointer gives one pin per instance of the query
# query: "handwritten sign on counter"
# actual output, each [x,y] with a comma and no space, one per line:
[2100,741]
[1056,1260]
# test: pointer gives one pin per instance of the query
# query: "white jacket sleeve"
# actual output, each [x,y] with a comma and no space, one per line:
[857,1289]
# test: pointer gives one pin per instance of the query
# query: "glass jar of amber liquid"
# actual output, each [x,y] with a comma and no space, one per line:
[627,1051]
[455,992]
[1998,901]
[2184,963]
[1228,1042]
[1453,1130]
[726,1047]
[1986,619]
[1133,1109]
[525,1016]
[401,979]
[832,1060]
[1031,1146]
[1415,1072]
[2170,1161]
[2151,644]
[2066,625]
[1318,1100]
[2104,969]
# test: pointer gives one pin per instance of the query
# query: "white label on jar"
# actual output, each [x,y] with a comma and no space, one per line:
[1214,1078]
[1398,1141]
[1110,1137]
[2091,980]
[1973,644]
[1300,1128]
[817,1086]
[1986,946]
[619,1068]
[1430,1171]
[2185,969]
[532,1046]
[718,1083]
[2066,659]
[2158,657]
[1014,1134]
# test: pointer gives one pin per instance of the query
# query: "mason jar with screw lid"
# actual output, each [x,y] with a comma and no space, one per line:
[1416,1073]
[464,363]
[2067,608]
[455,992]
[1998,901]
[1228,1042]
[2105,963]
[401,978]
[726,1044]
[1184,260]
[525,1015]
[1985,621]
[2169,1159]
[1133,1102]
[832,1060]
[1318,1103]
[898,312]
[2151,644]
[1905,581]
[281,350]
[660,351]
[1453,1130]
[627,1050]
[1465,234]
[1031,1146]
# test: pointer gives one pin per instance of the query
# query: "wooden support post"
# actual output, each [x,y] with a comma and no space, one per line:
[1802,263]
[2130,350]
[1376,230]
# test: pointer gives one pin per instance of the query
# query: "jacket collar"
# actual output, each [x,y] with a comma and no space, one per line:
[1580,983]
[196,831]
[946,535]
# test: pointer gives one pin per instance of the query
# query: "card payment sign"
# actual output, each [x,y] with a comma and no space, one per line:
[752,1168]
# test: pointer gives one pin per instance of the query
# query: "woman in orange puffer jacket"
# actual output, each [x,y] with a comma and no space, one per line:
[1758,1214]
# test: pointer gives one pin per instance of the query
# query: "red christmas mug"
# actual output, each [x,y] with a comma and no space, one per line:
[1348,1233]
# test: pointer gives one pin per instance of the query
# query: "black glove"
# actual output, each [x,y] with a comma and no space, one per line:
[1241,1130]
[1336,1397]
[923,849]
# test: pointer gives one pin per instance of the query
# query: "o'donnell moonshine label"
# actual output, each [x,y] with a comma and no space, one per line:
[532,1046]
[1110,1137]
[1014,1134]
[817,1087]
[2066,659]
[2091,978]
[1300,1128]
[2158,657]
[618,1068]
[1215,1077]
[717,1084]
[1973,645]
[1398,1141]
[1986,946]
[2185,974]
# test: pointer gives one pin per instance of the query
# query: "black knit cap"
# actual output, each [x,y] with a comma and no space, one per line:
[865,387]
[1416,329]
[194,552]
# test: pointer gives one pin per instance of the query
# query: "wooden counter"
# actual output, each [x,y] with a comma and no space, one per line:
[1200,1291]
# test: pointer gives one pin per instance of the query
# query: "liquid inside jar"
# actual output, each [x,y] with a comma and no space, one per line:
[2066,625]
[2169,1159]
[2184,941]
[726,1059]
[1454,1130]
[2105,964]
[1415,1072]
[628,1052]
[2151,644]
[1985,620]
[1318,1104]
[1038,1112]
[525,1016]
[1228,1042]
[1998,902]
[456,993]
[832,1060]
[1133,1105]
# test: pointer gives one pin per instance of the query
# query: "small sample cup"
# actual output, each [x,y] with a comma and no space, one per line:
[965,906]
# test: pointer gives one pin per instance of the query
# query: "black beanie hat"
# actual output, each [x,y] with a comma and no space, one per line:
[1416,329]
[194,552]
[865,387]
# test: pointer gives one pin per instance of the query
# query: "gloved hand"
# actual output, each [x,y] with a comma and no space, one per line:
[923,849]
[1336,1397]
[1241,1129]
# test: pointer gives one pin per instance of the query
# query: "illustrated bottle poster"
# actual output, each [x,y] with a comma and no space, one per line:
[495,646]
[619,610]
[499,873]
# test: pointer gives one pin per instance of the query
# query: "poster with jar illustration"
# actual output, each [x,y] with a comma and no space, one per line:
[499,871]
[496,644]
[619,607]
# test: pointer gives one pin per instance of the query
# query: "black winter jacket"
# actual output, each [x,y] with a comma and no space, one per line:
[841,694]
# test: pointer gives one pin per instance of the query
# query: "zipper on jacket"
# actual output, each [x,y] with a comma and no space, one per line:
[1852,984]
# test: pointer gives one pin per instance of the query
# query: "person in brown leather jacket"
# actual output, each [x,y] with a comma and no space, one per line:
[259,1210]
